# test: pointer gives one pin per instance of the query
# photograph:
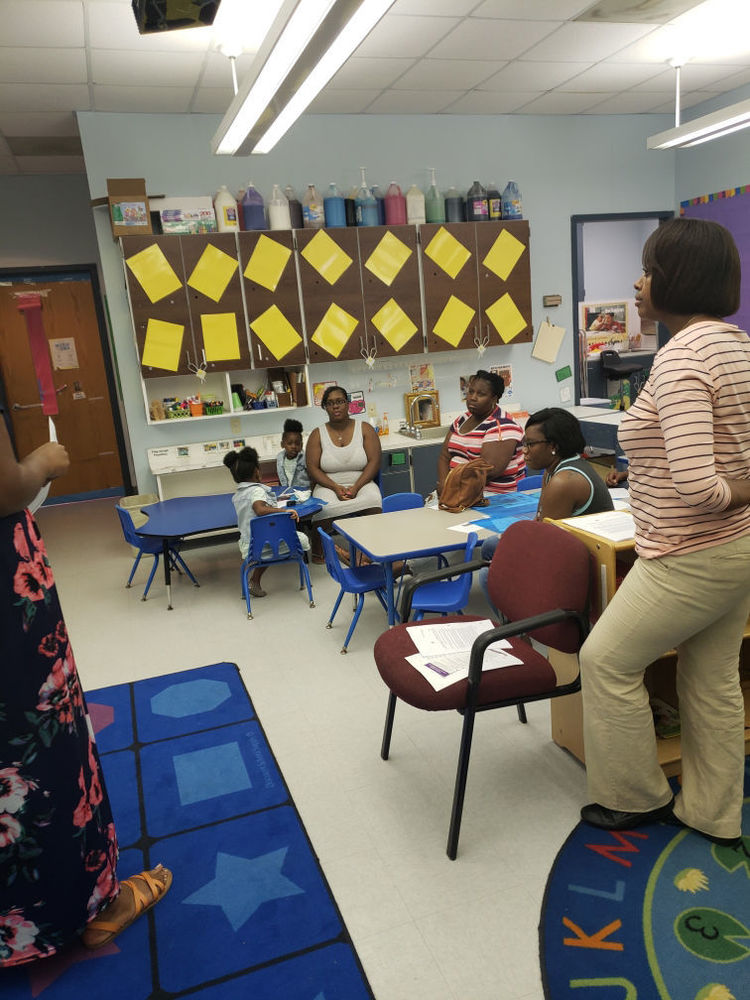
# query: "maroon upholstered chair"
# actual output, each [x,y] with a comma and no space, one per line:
[539,579]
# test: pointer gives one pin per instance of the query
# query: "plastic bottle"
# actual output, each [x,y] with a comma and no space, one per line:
[455,207]
[380,202]
[415,206]
[350,208]
[279,216]
[225,208]
[384,429]
[395,206]
[253,212]
[477,208]
[295,207]
[334,208]
[312,209]
[367,209]
[512,201]
[494,202]
[434,203]
[239,198]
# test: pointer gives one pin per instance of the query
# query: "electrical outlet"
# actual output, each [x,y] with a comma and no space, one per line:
[565,394]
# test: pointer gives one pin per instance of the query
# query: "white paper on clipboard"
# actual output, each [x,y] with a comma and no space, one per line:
[41,496]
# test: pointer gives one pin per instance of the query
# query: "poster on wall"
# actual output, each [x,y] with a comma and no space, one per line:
[605,325]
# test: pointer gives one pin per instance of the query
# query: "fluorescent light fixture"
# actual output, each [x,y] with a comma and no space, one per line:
[308,43]
[704,129]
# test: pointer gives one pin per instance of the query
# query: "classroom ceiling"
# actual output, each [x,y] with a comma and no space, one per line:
[479,57]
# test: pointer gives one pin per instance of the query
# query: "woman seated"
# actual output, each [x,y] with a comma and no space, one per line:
[343,460]
[485,431]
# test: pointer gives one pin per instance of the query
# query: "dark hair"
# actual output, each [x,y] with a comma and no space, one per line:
[242,464]
[495,382]
[292,426]
[694,267]
[330,390]
[560,428]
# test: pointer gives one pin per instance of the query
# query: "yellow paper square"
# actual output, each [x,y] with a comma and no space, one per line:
[334,330]
[393,323]
[162,346]
[447,252]
[153,272]
[453,320]
[387,259]
[267,263]
[213,272]
[327,257]
[506,318]
[503,254]
[275,331]
[220,339]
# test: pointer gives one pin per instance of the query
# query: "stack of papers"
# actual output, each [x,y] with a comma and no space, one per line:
[444,651]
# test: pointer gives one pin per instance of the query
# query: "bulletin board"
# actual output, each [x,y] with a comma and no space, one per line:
[730,209]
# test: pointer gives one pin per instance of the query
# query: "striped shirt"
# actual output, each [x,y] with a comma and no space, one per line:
[685,435]
[498,426]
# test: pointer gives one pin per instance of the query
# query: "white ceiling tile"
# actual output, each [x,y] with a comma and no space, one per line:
[437,8]
[662,83]
[610,77]
[533,76]
[580,41]
[658,47]
[42,23]
[735,80]
[150,69]
[556,103]
[406,102]
[342,102]
[459,74]
[51,164]
[485,38]
[687,101]
[708,76]
[405,36]
[625,104]
[113,26]
[485,102]
[143,100]
[212,100]
[533,10]
[217,70]
[42,97]
[369,74]
[25,65]
[37,123]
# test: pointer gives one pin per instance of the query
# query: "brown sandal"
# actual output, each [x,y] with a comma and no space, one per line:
[143,900]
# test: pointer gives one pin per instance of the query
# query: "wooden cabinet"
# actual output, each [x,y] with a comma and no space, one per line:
[389,267]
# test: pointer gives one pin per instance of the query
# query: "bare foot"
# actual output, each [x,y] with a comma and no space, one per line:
[137,895]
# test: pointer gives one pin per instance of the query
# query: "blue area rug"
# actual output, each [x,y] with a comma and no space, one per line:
[657,913]
[194,784]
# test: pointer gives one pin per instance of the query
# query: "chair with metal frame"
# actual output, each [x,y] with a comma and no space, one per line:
[545,598]
[273,539]
[151,547]
[357,580]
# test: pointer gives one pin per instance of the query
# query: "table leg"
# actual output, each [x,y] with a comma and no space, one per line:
[388,567]
[167,572]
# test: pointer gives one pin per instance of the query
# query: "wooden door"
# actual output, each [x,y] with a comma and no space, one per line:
[504,282]
[390,284]
[85,423]
[451,291]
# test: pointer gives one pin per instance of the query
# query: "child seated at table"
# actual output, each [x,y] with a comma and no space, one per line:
[290,461]
[253,499]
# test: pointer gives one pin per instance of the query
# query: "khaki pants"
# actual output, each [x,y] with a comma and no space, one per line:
[697,603]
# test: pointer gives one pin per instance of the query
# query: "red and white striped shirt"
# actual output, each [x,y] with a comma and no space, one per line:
[498,426]
[686,434]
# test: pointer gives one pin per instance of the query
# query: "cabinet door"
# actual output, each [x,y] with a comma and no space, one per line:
[161,319]
[395,475]
[331,293]
[504,282]
[212,279]
[269,275]
[390,288]
[451,290]
[424,462]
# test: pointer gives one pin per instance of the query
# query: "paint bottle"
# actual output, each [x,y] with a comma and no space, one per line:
[477,208]
[380,202]
[295,207]
[225,208]
[415,205]
[384,429]
[512,201]
[334,208]
[253,212]
[395,206]
[312,209]
[434,203]
[239,198]
[367,209]
[279,216]
[455,207]
[494,203]
[350,208]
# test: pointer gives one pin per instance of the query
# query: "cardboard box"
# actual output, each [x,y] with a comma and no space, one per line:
[128,206]
[186,215]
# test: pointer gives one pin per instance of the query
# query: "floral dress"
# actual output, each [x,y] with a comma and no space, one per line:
[58,849]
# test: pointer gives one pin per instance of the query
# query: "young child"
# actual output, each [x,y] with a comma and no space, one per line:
[253,499]
[290,463]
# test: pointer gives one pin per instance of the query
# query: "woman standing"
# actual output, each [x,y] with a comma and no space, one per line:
[687,438]
[343,460]
[484,431]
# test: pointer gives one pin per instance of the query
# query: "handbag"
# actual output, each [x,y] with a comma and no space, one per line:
[464,486]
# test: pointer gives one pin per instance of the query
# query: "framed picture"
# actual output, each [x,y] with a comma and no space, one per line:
[605,325]
[318,389]
[357,401]
[422,409]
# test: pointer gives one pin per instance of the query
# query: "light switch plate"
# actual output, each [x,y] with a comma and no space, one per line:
[565,394]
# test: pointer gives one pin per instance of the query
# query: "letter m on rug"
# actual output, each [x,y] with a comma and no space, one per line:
[611,851]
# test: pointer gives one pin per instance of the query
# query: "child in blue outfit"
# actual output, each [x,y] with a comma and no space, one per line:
[290,462]
[253,499]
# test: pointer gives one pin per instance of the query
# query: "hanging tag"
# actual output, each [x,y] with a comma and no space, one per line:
[200,374]
[370,361]
[481,349]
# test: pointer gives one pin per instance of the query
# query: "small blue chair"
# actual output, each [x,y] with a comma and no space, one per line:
[359,580]
[442,597]
[530,482]
[150,547]
[402,501]
[273,539]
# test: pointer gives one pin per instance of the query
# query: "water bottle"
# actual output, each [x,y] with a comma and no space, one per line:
[512,201]
[253,212]
[367,209]
[395,206]
[494,202]
[334,209]
[455,207]
[380,202]
[477,208]
[295,207]
[350,209]
[279,216]
[225,208]
[434,204]
[415,205]
[312,209]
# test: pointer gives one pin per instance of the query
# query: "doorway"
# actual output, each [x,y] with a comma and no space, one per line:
[88,422]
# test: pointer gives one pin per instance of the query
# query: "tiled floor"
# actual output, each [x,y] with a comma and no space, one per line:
[425,928]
